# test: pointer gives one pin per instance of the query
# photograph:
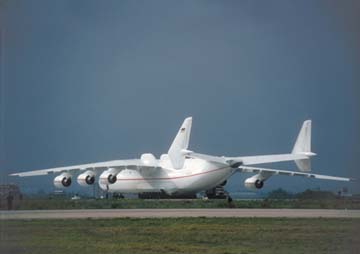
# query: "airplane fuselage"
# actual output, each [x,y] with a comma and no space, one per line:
[195,176]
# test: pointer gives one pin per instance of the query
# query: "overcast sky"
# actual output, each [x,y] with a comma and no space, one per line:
[87,81]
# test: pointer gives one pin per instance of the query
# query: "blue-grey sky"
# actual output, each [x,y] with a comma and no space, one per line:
[87,81]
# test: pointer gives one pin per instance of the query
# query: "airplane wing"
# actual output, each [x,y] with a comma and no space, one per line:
[270,172]
[261,159]
[248,160]
[206,157]
[118,164]
[240,164]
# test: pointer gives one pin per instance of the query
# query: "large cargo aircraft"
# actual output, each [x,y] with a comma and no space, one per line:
[182,171]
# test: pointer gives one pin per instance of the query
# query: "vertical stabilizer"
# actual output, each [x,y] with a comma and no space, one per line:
[303,146]
[180,143]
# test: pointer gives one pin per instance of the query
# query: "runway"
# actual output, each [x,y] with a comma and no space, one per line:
[174,213]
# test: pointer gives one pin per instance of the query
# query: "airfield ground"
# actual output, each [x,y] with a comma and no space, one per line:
[61,203]
[181,235]
[177,213]
[339,233]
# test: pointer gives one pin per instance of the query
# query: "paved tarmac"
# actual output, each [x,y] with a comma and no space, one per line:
[173,213]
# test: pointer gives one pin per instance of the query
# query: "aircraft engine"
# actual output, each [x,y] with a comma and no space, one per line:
[108,176]
[63,180]
[253,183]
[87,178]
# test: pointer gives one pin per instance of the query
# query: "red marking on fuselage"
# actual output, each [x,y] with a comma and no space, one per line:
[169,178]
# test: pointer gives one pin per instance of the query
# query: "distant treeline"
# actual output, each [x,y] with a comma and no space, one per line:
[307,194]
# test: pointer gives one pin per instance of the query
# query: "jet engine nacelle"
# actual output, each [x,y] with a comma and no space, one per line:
[63,180]
[253,183]
[87,178]
[108,176]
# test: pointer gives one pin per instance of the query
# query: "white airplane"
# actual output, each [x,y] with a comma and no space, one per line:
[182,171]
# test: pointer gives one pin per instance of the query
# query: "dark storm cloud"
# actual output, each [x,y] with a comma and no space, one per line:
[91,81]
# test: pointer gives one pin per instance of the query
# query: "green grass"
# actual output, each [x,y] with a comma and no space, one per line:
[181,235]
[31,204]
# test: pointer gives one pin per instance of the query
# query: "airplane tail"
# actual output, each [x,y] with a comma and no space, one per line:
[303,146]
[180,143]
